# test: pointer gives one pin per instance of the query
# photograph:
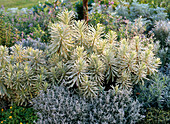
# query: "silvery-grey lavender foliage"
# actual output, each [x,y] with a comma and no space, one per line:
[35,44]
[58,105]
[115,108]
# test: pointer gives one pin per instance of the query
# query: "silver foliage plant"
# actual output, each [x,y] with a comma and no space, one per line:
[36,44]
[116,107]
[136,10]
[89,61]
[58,105]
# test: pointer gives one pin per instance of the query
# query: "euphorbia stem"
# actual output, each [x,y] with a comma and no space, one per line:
[85,10]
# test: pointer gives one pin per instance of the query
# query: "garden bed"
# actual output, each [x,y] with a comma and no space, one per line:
[57,68]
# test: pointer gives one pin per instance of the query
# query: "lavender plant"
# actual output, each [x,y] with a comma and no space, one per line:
[29,42]
[115,107]
[58,105]
[164,55]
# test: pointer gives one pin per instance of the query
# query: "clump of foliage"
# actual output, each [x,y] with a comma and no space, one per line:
[61,106]
[156,116]
[35,44]
[4,103]
[79,9]
[80,57]
[155,93]
[87,59]
[90,58]
[115,106]
[6,32]
[34,23]
[164,55]
[128,29]
[162,32]
[135,10]
[162,3]
[114,18]
[22,74]
[102,12]
[64,107]
[18,114]
[162,36]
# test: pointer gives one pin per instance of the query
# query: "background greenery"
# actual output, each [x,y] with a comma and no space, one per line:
[154,3]
[30,3]
[20,3]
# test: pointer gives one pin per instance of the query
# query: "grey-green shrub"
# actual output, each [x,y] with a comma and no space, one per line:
[58,105]
[136,10]
[158,13]
[155,93]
